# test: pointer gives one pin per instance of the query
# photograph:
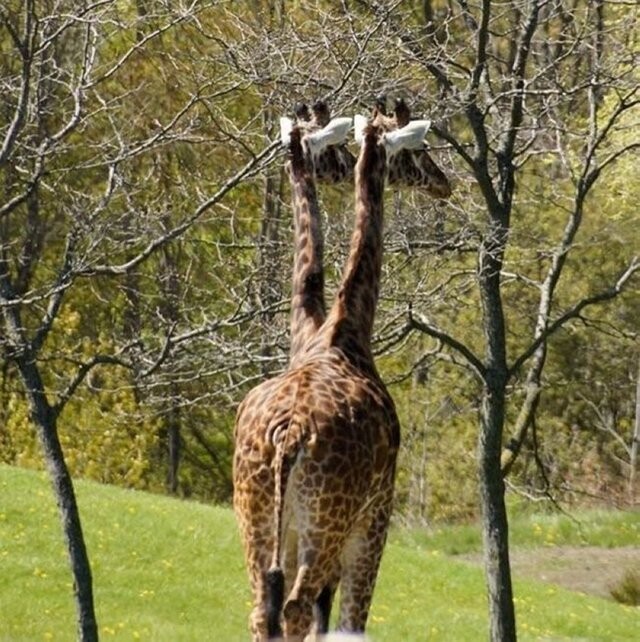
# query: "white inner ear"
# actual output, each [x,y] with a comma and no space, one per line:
[335,133]
[286,125]
[411,136]
[359,123]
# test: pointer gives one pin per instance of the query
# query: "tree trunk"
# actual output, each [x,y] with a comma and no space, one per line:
[45,421]
[495,530]
[635,443]
[173,444]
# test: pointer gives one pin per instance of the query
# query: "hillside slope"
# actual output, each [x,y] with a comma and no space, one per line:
[166,569]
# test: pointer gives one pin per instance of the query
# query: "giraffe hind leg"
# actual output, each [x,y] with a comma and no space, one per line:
[298,609]
[324,602]
[361,561]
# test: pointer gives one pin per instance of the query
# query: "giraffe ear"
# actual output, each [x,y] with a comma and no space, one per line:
[359,123]
[335,133]
[410,136]
[286,125]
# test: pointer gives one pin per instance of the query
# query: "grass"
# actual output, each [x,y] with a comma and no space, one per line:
[607,529]
[172,570]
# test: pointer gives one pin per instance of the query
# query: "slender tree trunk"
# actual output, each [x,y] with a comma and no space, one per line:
[495,531]
[174,443]
[635,443]
[45,421]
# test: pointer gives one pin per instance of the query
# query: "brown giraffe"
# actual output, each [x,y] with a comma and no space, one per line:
[328,441]
[330,164]
[409,167]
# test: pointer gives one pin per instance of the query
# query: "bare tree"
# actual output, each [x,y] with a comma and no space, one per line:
[77,149]
[517,89]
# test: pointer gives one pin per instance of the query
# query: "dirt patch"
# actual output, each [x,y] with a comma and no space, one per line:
[586,569]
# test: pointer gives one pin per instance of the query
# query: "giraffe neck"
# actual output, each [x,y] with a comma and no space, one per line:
[307,297]
[353,312]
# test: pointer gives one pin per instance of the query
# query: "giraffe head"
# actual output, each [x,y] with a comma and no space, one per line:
[409,167]
[324,142]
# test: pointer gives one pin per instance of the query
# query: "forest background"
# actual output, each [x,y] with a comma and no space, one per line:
[145,234]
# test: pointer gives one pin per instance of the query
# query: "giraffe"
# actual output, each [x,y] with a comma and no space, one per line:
[410,167]
[325,460]
[331,164]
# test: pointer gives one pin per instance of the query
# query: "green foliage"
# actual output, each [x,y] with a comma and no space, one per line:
[170,570]
[183,111]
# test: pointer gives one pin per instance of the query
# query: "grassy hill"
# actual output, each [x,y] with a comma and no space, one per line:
[172,570]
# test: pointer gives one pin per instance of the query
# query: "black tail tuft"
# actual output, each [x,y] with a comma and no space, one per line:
[275,599]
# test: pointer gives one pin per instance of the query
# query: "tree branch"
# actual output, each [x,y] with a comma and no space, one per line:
[421,324]
[572,313]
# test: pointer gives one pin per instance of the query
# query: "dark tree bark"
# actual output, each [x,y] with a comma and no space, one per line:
[495,531]
[44,418]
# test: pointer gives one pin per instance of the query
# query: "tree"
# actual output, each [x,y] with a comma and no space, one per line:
[515,90]
[78,149]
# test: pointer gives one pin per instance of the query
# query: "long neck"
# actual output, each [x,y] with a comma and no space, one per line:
[354,310]
[307,297]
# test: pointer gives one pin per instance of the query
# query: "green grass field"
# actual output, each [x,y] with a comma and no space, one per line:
[172,570]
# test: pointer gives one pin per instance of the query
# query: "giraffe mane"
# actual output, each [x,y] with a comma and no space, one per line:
[296,154]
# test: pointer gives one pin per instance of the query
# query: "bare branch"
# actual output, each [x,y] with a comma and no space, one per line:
[421,324]
[250,169]
[574,312]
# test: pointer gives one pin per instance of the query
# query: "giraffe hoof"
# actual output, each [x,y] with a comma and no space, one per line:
[292,610]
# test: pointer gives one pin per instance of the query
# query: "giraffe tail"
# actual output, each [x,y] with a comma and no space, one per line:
[275,600]
[275,575]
